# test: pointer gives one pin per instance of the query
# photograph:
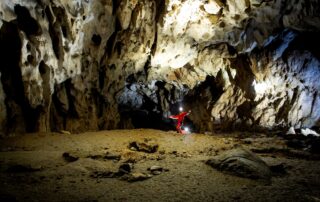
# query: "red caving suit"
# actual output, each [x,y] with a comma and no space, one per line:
[180,118]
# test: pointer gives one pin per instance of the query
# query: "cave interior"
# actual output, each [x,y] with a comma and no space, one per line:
[90,91]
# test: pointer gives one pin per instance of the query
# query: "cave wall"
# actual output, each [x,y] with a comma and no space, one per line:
[51,76]
[100,64]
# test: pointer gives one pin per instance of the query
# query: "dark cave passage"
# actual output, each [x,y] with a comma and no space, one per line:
[145,119]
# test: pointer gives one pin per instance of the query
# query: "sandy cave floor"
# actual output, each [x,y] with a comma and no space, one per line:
[32,168]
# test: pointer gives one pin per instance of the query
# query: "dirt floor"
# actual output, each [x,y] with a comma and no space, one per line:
[85,167]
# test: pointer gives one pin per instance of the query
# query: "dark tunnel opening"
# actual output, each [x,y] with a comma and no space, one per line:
[154,120]
[147,111]
[146,116]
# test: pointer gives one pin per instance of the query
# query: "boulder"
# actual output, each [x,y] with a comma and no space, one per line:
[241,162]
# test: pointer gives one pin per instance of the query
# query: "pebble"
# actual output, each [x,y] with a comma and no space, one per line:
[155,168]
[68,157]
[156,172]
[126,168]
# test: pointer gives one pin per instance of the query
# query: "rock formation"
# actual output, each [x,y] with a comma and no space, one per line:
[241,162]
[84,65]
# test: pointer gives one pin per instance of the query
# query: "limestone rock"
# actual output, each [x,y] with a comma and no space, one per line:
[155,168]
[134,177]
[104,174]
[148,147]
[291,131]
[93,65]
[125,168]
[308,131]
[69,157]
[242,163]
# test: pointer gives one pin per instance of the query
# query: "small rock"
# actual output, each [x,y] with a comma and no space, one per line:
[291,131]
[112,157]
[69,158]
[126,168]
[147,139]
[104,174]
[95,157]
[308,131]
[147,146]
[155,168]
[65,132]
[156,172]
[242,163]
[160,157]
[244,187]
[134,177]
[133,148]
[247,141]
[185,155]
[162,152]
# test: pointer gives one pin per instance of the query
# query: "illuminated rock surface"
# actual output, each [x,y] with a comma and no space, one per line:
[101,64]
